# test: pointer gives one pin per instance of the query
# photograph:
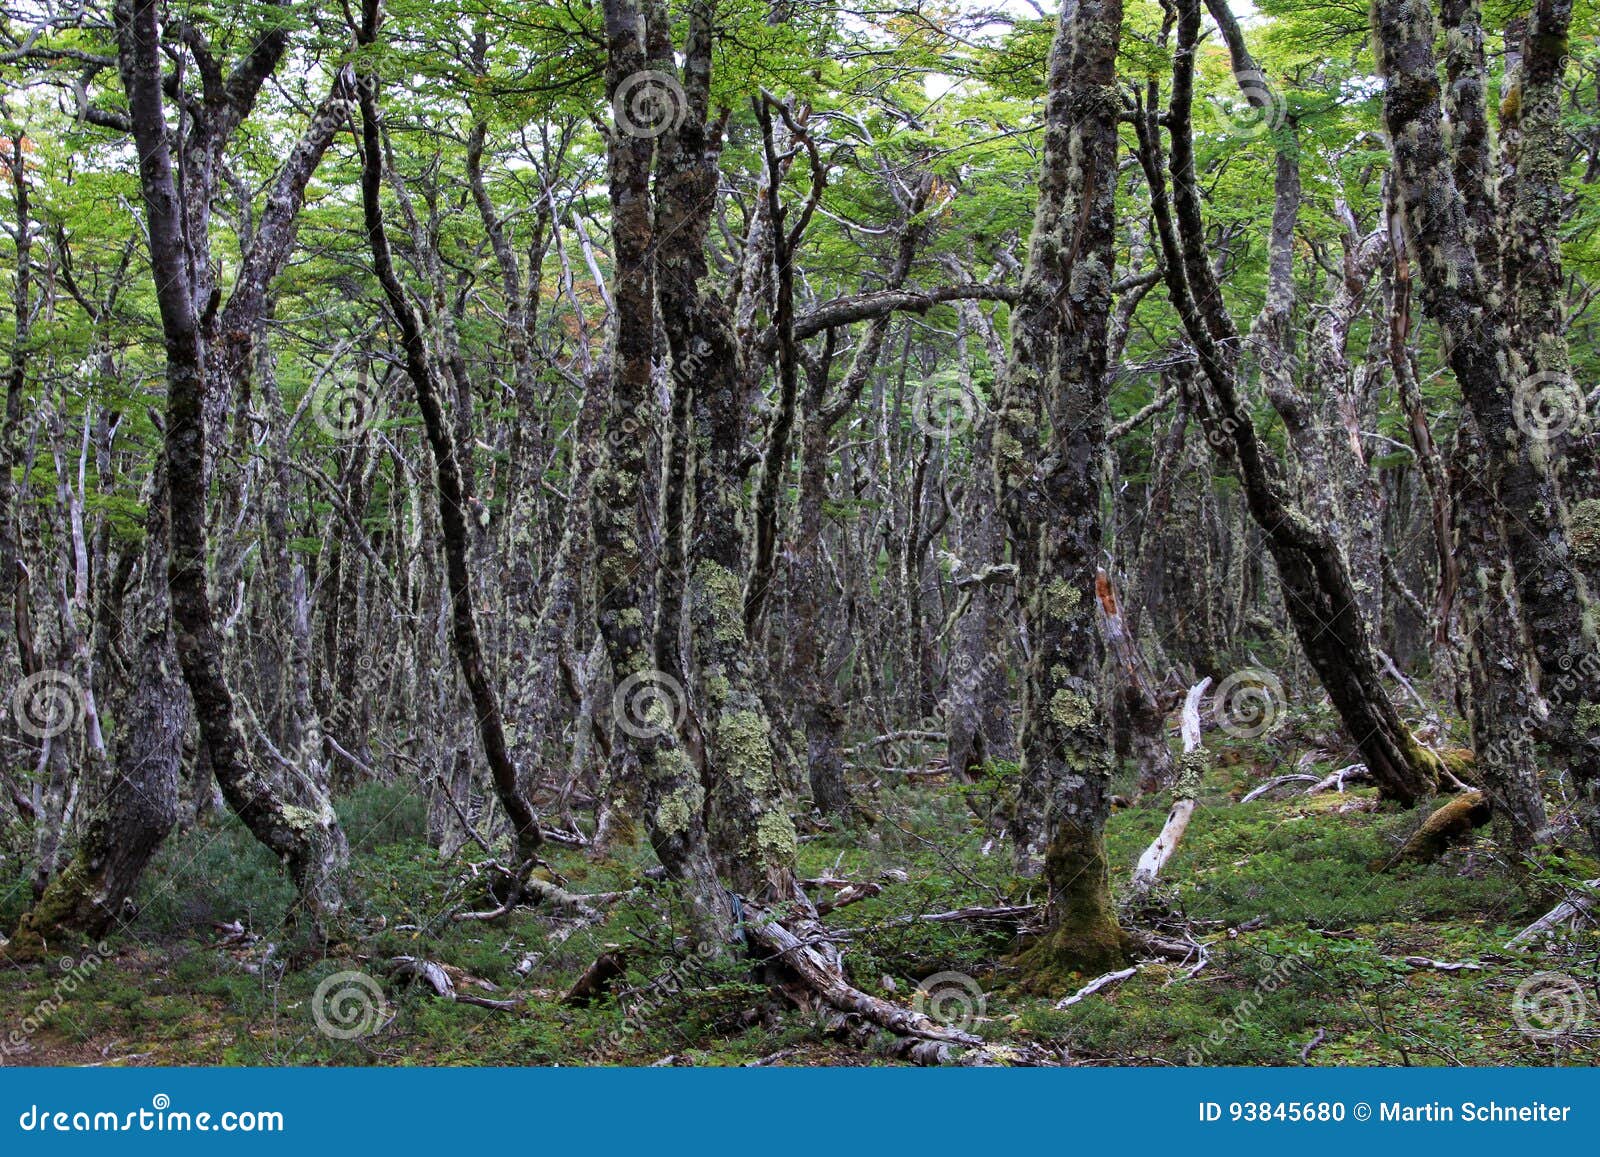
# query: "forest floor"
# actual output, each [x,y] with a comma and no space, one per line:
[1305,946]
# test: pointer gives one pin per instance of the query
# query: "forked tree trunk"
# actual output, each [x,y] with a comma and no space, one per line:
[672,794]
[295,820]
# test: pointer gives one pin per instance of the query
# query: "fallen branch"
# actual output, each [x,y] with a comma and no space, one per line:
[1565,912]
[1277,782]
[829,983]
[1099,983]
[1009,914]
[1338,779]
[849,894]
[896,737]
[443,980]
[1423,964]
[1305,1053]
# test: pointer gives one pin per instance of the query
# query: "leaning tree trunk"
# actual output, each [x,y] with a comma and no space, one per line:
[453,519]
[1320,599]
[1050,495]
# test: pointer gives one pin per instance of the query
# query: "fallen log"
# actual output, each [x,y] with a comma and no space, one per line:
[597,978]
[1098,983]
[1568,910]
[1443,828]
[828,982]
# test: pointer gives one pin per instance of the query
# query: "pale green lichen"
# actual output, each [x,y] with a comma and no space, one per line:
[1070,710]
[775,838]
[1587,718]
[746,750]
[724,596]
[677,811]
[305,819]
[1062,599]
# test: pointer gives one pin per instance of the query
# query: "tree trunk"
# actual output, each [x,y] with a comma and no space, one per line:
[1050,494]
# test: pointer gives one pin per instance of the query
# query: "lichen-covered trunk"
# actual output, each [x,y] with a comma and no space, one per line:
[752,835]
[1048,452]
[451,482]
[1487,336]
[673,795]
[1320,598]
[140,805]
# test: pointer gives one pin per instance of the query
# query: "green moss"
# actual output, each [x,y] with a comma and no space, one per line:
[1083,937]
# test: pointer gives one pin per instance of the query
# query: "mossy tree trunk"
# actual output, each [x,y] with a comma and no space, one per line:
[1048,449]
[1507,355]
[1321,600]
[140,806]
